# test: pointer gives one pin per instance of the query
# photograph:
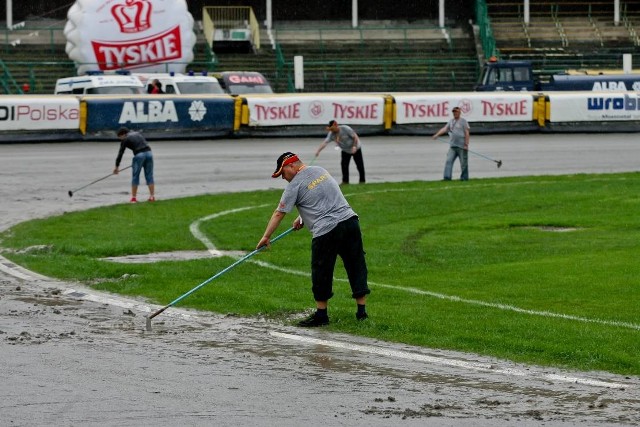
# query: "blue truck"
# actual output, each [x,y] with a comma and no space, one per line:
[519,76]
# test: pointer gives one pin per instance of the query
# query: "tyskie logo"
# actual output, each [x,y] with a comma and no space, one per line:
[158,48]
[134,16]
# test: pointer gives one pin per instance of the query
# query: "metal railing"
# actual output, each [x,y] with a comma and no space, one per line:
[230,19]
[633,34]
[7,81]
[487,40]
[45,36]
[402,34]
[380,75]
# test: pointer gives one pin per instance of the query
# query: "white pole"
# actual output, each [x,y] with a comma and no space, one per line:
[298,72]
[9,14]
[627,66]
[616,12]
[269,16]
[354,13]
[527,7]
[441,13]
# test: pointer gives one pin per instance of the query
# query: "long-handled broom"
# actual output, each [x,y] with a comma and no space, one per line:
[241,260]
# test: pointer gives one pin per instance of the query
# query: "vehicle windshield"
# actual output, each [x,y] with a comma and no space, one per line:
[115,90]
[243,89]
[200,87]
[492,76]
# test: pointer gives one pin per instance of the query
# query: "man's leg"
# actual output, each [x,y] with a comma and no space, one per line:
[148,175]
[357,157]
[323,260]
[344,164]
[353,257]
[464,165]
[448,166]
[136,168]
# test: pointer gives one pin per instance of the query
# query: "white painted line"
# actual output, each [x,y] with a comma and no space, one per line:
[195,226]
[19,272]
[203,238]
[507,307]
[10,269]
[454,298]
[442,361]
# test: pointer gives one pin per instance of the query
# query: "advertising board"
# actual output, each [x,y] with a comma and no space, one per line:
[39,113]
[317,109]
[476,107]
[160,113]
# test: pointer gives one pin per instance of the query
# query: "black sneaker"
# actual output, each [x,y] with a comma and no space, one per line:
[361,316]
[313,321]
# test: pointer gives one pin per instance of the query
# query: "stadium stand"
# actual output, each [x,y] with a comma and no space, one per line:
[35,55]
[566,34]
[394,57]
[378,56]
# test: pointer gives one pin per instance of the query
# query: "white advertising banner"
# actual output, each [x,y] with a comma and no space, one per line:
[594,106]
[30,112]
[293,110]
[145,35]
[476,107]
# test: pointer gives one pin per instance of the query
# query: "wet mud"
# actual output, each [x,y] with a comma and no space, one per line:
[71,356]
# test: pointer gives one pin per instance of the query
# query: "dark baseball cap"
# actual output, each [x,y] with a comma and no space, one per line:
[123,131]
[283,160]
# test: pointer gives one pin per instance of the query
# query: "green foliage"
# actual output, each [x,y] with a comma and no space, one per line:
[534,269]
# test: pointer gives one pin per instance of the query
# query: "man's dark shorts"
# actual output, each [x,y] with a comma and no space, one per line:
[344,240]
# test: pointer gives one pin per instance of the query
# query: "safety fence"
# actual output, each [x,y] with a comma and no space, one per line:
[487,41]
[90,118]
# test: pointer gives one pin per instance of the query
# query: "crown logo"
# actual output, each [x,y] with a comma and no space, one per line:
[133,16]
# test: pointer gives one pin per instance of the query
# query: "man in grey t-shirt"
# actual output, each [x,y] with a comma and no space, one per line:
[348,141]
[458,129]
[335,229]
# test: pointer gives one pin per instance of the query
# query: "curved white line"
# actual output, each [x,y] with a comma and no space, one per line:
[454,298]
[195,228]
[212,249]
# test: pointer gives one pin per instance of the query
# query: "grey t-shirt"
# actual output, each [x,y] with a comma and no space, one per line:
[344,138]
[456,132]
[317,196]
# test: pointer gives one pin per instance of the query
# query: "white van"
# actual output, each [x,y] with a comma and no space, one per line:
[100,84]
[182,84]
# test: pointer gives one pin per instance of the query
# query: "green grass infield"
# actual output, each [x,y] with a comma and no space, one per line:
[540,270]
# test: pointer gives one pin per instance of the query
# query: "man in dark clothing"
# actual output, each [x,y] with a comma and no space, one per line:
[142,158]
[348,142]
[335,229]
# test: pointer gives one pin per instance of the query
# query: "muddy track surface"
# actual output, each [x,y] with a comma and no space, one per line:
[71,356]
